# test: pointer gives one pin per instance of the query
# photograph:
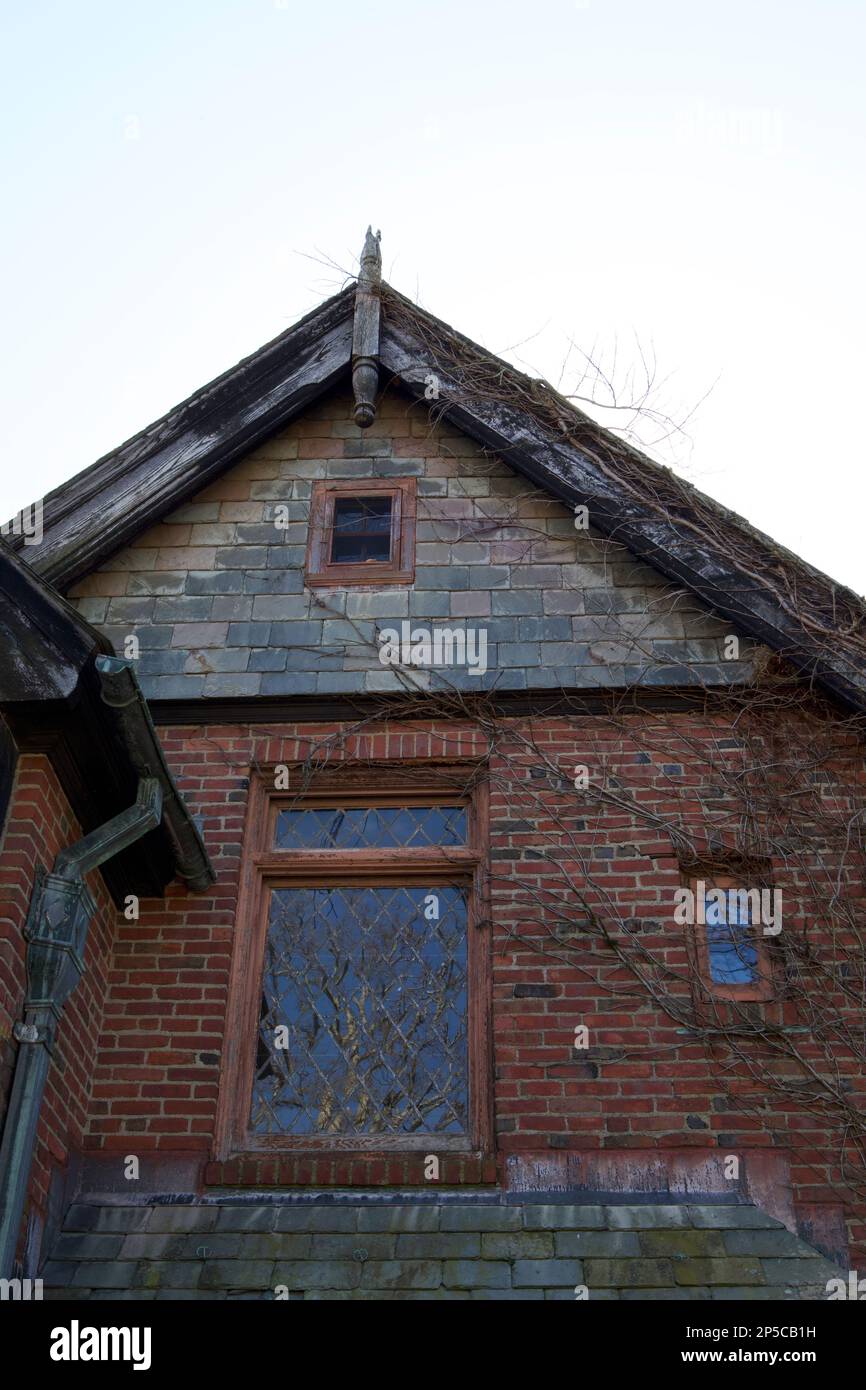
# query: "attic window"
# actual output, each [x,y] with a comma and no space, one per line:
[362,530]
[362,533]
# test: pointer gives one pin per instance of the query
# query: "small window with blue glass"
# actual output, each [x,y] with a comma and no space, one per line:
[732,955]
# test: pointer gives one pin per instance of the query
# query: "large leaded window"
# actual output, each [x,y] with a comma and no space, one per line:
[359,1012]
[363,1017]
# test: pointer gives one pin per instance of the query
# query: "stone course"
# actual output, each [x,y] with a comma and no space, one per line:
[405,1249]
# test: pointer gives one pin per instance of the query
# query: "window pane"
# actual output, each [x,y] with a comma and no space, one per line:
[363,1015]
[362,530]
[370,827]
[733,957]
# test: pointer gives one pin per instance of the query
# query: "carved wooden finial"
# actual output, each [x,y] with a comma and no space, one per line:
[365,335]
[371,259]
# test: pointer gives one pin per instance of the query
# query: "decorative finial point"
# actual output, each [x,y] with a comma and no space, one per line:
[365,332]
[371,258]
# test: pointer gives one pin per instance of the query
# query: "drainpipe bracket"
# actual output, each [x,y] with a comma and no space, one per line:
[56,931]
[26,1033]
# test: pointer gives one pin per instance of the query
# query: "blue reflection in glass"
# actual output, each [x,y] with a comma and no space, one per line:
[370,827]
[369,989]
[733,957]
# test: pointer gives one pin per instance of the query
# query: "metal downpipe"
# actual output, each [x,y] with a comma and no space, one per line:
[61,909]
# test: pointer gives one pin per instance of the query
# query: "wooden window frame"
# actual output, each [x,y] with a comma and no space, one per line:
[264,868]
[761,989]
[321,572]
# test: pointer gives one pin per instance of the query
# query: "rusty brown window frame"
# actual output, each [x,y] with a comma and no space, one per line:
[399,569]
[264,869]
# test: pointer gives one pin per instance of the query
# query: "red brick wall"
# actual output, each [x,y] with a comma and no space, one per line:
[39,825]
[642,1086]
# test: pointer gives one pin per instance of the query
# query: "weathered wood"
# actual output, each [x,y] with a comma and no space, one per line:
[697,563]
[297,709]
[263,870]
[365,336]
[104,507]
[51,698]
[8,764]
[46,644]
[319,573]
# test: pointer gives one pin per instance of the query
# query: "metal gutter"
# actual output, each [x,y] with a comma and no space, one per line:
[122,693]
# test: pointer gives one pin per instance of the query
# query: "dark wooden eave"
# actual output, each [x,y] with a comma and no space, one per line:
[766,591]
[44,642]
[108,504]
[52,702]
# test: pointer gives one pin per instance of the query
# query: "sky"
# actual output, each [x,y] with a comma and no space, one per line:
[677,182]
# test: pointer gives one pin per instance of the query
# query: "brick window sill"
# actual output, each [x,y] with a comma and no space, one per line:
[344,1170]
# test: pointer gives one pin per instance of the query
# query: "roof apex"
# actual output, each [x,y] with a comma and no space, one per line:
[742,574]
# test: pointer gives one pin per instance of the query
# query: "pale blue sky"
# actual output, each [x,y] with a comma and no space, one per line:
[585,169]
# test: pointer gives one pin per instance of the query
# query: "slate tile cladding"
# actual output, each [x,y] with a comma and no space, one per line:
[215,592]
[531,1250]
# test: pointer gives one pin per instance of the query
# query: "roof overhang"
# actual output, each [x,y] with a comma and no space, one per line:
[108,504]
[765,591]
[56,700]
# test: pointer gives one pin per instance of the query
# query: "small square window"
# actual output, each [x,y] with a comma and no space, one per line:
[362,533]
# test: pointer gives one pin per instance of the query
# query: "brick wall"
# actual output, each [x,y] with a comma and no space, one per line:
[641,1085]
[216,597]
[39,825]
